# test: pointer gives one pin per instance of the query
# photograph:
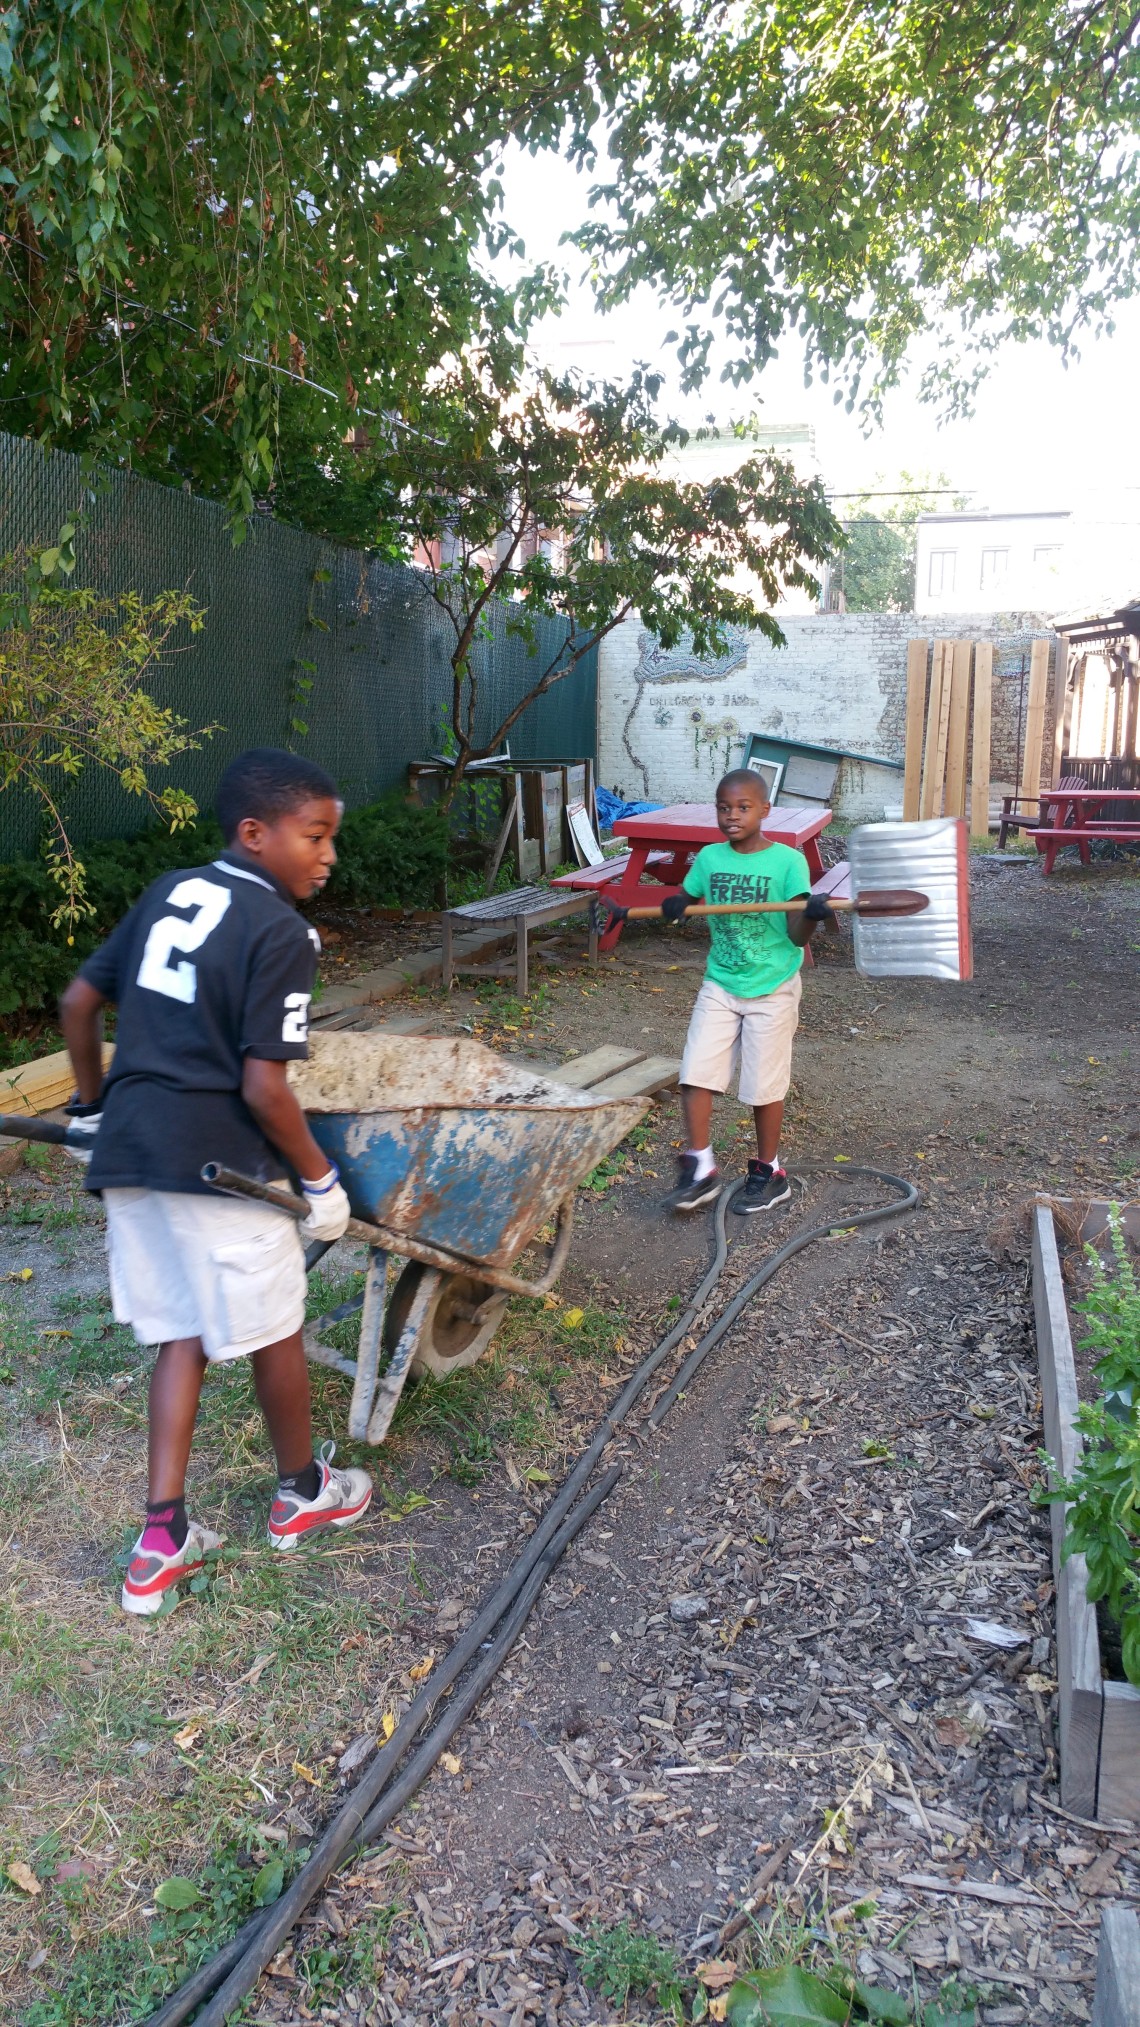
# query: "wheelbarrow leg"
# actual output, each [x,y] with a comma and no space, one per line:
[368,1349]
[400,1363]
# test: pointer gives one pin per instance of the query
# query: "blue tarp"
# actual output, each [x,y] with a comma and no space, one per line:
[611,808]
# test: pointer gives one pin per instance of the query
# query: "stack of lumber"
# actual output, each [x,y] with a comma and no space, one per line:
[42,1086]
[948,705]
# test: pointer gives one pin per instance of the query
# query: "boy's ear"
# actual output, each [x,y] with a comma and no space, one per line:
[250,834]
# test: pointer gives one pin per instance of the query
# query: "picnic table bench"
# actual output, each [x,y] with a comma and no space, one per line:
[1075,814]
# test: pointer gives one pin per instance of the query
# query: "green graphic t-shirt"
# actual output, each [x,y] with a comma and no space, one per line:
[750,955]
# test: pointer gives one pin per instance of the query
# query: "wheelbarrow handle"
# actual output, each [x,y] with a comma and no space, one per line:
[18,1126]
[375,1234]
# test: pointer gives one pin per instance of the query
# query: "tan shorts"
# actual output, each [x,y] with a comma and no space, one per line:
[229,1272]
[757,1033]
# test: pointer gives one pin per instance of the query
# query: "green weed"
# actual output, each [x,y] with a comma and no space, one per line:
[616,1961]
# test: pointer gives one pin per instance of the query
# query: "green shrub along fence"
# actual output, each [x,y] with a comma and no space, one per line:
[298,633]
[390,854]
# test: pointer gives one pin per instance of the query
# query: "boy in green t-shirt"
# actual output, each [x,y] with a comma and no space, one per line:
[748,1007]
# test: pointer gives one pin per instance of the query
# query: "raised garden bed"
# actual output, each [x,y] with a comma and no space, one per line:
[1099,1718]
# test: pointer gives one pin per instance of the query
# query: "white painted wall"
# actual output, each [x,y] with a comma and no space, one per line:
[669,727]
[993,563]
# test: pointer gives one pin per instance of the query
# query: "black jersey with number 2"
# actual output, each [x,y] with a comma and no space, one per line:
[210,966]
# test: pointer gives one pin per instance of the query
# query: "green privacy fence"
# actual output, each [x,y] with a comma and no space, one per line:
[284,608]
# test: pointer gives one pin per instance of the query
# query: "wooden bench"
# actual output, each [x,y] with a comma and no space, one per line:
[1051,838]
[526,908]
[1011,821]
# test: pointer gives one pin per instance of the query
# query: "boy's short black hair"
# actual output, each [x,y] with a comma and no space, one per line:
[738,776]
[267,782]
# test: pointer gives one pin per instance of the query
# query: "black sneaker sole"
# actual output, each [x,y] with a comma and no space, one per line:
[744,1209]
[709,1192]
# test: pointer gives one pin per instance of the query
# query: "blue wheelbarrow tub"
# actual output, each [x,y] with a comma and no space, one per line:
[449,1143]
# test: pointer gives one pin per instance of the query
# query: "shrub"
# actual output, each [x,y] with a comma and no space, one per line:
[390,854]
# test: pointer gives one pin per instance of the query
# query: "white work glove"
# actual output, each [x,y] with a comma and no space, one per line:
[83,1120]
[329,1210]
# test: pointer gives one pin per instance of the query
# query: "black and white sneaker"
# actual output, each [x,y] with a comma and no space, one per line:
[766,1187]
[690,1195]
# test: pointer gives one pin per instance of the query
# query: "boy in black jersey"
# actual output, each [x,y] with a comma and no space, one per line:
[212,972]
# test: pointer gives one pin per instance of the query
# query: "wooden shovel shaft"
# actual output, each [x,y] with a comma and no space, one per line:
[888,901]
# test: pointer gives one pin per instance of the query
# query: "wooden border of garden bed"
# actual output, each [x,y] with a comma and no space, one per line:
[1100,1720]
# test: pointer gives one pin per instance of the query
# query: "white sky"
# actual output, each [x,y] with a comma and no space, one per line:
[1043,435]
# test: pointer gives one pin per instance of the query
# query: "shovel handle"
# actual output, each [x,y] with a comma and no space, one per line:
[883,901]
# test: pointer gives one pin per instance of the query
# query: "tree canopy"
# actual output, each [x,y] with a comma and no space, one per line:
[208,205]
[866,173]
[231,228]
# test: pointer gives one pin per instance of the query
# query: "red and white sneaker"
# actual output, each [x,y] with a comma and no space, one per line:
[342,1500]
[151,1577]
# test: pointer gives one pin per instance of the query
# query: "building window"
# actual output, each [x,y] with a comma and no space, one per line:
[1047,561]
[995,568]
[942,564]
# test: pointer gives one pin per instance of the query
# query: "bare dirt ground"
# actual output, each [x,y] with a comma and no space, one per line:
[757,1662]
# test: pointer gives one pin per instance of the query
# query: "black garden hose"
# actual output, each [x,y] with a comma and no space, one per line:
[369,1809]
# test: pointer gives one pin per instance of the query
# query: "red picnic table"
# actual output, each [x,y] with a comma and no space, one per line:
[664,843]
[1074,814]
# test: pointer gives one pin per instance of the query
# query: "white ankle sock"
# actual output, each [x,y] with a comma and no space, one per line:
[705,1160]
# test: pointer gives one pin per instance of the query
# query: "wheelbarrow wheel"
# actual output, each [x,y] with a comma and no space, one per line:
[459,1322]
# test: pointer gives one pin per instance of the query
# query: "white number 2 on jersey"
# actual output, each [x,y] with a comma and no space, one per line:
[295,1026]
[176,932]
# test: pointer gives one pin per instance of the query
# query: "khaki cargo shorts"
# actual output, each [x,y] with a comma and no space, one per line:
[756,1033]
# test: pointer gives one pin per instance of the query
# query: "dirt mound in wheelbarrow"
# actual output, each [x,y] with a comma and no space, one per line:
[378,1073]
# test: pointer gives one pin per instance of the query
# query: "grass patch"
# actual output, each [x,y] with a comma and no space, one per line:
[140,1751]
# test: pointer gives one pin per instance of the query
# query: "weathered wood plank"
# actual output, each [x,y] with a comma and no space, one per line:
[1118,1783]
[1116,2002]
[641,1080]
[916,658]
[1030,783]
[959,727]
[44,1085]
[1080,1686]
[582,1071]
[980,750]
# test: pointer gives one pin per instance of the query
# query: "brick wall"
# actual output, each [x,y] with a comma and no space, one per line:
[669,726]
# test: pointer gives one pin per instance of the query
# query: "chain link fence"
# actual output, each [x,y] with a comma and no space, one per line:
[284,610]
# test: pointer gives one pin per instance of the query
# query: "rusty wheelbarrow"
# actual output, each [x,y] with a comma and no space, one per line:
[455,1159]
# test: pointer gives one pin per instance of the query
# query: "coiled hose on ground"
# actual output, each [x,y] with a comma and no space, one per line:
[373,1804]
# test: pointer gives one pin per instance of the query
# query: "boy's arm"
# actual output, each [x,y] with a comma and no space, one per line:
[802,927]
[265,1090]
[81,1020]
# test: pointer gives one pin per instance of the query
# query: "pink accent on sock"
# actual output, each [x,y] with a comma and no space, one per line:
[156,1536]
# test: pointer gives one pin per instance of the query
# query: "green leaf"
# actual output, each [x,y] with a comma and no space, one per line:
[785,1997]
[49,559]
[177,1893]
[876,2001]
[269,1882]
